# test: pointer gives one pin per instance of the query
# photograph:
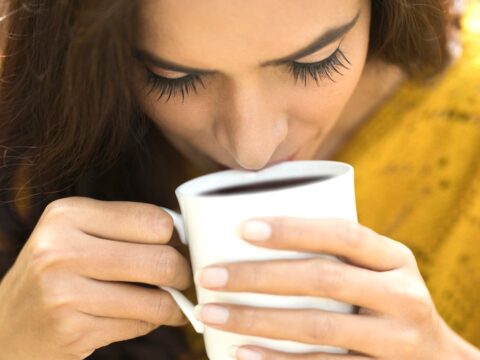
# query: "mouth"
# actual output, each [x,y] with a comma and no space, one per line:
[288,158]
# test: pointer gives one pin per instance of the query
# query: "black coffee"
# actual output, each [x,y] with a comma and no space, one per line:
[266,185]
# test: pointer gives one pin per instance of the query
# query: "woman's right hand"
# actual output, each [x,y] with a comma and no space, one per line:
[71,288]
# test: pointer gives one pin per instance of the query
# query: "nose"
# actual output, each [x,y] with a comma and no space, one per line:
[250,123]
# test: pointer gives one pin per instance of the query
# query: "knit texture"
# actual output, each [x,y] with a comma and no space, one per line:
[417,175]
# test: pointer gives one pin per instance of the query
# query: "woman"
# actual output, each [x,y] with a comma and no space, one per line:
[124,100]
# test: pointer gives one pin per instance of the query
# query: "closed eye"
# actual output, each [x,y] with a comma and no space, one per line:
[320,70]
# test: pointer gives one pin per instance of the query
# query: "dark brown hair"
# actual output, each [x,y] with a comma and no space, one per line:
[69,122]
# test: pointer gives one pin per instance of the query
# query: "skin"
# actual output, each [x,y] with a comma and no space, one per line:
[73,287]
[247,116]
[396,319]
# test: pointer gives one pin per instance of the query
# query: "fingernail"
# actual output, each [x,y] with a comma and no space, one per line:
[232,351]
[212,314]
[236,352]
[213,277]
[256,230]
[247,354]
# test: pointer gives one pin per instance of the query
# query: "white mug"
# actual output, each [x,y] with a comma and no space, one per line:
[209,225]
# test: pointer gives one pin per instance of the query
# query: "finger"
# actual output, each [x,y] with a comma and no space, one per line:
[116,220]
[102,331]
[319,277]
[101,259]
[257,352]
[356,243]
[127,301]
[365,334]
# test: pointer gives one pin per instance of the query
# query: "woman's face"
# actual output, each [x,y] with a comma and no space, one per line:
[247,83]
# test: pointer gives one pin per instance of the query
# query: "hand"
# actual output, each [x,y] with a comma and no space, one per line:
[397,318]
[71,289]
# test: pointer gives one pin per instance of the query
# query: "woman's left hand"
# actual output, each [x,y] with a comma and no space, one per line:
[397,317]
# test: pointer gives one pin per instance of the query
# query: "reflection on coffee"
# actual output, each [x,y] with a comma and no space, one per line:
[266,185]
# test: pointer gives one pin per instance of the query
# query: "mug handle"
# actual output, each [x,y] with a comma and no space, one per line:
[185,305]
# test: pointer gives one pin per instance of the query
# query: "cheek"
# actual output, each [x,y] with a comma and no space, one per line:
[173,117]
[322,106]
[182,119]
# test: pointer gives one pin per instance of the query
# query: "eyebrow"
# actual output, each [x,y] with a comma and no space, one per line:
[317,44]
[154,60]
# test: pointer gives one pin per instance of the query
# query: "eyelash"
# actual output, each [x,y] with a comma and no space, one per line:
[321,69]
[317,71]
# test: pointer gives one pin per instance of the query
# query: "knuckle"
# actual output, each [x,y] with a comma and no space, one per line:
[156,220]
[247,319]
[414,299]
[406,253]
[43,258]
[395,286]
[175,316]
[166,264]
[53,295]
[351,234]
[68,329]
[255,276]
[76,342]
[416,295]
[162,308]
[321,328]
[61,207]
[328,280]
[424,310]
[142,328]
[410,341]
[46,251]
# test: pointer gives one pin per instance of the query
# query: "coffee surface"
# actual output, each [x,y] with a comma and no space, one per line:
[266,185]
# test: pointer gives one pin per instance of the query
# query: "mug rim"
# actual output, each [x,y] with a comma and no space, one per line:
[196,187]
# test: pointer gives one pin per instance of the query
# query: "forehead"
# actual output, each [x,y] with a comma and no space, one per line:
[209,33]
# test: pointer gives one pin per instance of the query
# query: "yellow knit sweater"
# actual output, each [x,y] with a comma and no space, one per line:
[417,170]
[417,174]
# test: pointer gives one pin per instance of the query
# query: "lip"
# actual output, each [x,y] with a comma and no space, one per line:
[289,158]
